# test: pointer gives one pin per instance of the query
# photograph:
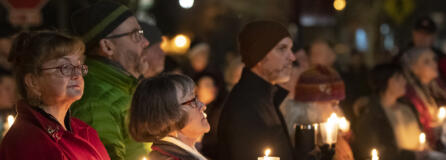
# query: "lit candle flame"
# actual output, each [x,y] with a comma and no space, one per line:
[441,113]
[344,124]
[144,158]
[331,128]
[10,120]
[422,139]
[267,152]
[374,154]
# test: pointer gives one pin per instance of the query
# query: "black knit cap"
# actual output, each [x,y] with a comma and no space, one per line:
[425,24]
[257,38]
[151,33]
[98,20]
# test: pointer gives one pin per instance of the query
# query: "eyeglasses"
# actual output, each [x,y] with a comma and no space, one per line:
[137,35]
[195,103]
[70,70]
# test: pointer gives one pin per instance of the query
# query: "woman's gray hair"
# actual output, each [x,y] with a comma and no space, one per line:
[411,56]
[155,111]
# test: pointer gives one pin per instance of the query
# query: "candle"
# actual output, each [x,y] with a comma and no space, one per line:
[316,133]
[441,114]
[374,154]
[329,130]
[422,139]
[8,124]
[267,157]
[344,124]
[10,121]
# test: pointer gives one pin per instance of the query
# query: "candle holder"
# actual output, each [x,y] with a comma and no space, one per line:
[267,157]
[304,140]
[327,152]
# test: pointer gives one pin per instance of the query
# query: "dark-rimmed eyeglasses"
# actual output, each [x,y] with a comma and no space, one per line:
[194,102]
[70,70]
[137,35]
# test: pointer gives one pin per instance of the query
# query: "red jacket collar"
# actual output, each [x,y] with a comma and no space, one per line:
[42,119]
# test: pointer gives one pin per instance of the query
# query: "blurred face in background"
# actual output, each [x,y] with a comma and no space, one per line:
[206,90]
[152,61]
[8,92]
[300,65]
[199,57]
[425,67]
[423,38]
[397,85]
[5,47]
[321,54]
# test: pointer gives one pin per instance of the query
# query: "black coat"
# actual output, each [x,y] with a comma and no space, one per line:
[374,130]
[251,121]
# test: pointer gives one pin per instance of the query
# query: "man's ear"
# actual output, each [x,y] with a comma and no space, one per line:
[106,48]
[31,84]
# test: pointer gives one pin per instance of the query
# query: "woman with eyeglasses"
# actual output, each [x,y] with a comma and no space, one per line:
[49,70]
[166,111]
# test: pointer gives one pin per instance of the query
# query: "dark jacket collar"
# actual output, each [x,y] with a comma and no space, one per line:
[251,82]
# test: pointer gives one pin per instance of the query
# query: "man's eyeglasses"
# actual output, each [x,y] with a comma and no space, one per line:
[137,35]
[70,70]
[195,103]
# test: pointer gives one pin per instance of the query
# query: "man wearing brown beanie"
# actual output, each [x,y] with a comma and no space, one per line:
[251,121]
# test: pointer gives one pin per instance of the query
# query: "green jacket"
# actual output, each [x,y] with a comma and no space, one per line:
[104,106]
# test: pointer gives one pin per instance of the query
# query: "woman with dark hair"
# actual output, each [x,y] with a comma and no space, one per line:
[424,90]
[166,111]
[49,70]
[387,123]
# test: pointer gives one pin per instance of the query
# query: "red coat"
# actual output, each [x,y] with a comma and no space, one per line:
[37,135]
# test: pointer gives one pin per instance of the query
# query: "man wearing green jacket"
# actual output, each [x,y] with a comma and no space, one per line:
[114,42]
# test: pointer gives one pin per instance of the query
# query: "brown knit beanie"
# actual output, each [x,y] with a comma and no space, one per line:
[319,83]
[257,38]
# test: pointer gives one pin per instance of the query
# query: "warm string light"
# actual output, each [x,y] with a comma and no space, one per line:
[178,44]
[339,5]
[186,4]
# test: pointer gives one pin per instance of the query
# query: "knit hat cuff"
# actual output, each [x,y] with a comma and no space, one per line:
[312,93]
[106,26]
